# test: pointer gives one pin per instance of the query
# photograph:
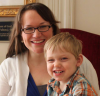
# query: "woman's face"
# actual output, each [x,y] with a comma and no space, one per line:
[35,41]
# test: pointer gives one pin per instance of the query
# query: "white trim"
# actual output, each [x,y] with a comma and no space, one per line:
[72,9]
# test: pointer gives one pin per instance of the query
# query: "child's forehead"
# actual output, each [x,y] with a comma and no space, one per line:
[57,48]
[58,53]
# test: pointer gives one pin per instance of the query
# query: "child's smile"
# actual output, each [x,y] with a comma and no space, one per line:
[61,64]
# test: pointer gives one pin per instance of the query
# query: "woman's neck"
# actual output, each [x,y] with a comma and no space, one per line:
[37,58]
[38,68]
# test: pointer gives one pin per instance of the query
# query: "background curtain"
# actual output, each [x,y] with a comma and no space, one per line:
[63,11]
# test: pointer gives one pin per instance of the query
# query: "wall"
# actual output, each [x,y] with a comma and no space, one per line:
[87,15]
[4,45]
[11,2]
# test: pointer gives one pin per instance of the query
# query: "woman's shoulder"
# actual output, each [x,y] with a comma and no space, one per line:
[86,64]
[14,60]
[14,68]
[86,61]
[87,68]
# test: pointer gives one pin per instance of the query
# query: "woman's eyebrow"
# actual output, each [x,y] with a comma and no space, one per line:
[43,22]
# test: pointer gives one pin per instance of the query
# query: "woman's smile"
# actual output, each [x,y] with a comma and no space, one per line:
[38,41]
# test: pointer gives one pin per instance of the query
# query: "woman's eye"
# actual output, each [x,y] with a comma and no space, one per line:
[43,26]
[29,28]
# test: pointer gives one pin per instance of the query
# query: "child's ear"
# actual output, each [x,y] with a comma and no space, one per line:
[79,60]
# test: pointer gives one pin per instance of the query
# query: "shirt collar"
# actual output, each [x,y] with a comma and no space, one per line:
[55,84]
[69,83]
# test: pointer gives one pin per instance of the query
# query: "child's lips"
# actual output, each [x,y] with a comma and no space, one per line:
[58,71]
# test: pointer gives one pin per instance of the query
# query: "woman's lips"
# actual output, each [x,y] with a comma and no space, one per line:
[39,41]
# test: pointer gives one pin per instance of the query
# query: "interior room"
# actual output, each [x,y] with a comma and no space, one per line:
[79,17]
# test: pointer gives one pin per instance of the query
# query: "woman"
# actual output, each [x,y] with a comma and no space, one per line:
[24,72]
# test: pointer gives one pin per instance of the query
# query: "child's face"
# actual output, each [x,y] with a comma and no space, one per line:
[61,64]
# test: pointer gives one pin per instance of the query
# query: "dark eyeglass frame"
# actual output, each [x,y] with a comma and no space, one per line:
[49,26]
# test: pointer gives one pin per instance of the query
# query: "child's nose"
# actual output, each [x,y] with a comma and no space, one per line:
[57,64]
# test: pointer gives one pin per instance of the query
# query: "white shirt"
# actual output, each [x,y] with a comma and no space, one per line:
[14,75]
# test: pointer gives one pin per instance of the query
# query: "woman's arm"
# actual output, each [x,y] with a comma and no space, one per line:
[90,73]
[4,86]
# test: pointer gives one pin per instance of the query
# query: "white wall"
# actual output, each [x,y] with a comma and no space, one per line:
[87,15]
[11,2]
[4,45]
[3,50]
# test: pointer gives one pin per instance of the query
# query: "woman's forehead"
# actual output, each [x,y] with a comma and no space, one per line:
[31,17]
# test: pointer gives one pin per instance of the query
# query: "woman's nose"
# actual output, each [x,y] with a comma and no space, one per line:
[36,33]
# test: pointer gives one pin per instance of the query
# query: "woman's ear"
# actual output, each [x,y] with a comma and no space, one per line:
[79,60]
[22,39]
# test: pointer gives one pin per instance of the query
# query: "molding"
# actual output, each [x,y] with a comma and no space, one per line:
[72,13]
[11,11]
[29,1]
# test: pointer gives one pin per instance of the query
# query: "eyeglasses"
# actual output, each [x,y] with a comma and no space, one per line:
[30,30]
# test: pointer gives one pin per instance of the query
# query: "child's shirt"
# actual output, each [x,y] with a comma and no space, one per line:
[78,85]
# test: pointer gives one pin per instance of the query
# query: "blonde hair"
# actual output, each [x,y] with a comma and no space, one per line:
[64,41]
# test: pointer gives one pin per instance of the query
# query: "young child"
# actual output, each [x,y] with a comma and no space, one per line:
[63,53]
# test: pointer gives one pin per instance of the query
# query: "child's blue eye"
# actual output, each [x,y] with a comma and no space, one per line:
[64,58]
[50,60]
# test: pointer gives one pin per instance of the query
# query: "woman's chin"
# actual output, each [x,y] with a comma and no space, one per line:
[38,51]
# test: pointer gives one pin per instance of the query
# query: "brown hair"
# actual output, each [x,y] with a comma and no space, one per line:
[64,41]
[15,46]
